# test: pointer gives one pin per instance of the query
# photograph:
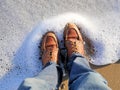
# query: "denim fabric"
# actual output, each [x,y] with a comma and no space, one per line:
[48,79]
[81,77]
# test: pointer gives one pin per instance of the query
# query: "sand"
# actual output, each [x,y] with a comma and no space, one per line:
[19,19]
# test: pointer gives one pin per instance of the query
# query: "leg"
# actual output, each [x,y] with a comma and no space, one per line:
[82,77]
[48,79]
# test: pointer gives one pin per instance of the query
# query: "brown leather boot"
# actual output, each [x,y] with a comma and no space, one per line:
[73,40]
[49,48]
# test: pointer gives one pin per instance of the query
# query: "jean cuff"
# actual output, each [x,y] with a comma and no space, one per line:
[49,63]
[74,55]
[71,60]
[59,70]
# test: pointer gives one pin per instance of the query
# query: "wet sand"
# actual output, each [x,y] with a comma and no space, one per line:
[110,72]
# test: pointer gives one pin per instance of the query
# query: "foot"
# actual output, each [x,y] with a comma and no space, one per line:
[73,40]
[49,48]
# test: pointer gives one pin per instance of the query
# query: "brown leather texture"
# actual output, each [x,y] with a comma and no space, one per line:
[73,39]
[49,48]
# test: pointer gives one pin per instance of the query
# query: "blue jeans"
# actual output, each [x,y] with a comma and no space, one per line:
[81,77]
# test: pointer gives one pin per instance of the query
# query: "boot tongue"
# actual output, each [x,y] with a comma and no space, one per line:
[72,34]
[51,47]
[50,43]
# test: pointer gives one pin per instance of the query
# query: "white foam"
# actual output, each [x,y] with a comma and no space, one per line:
[104,39]
[105,44]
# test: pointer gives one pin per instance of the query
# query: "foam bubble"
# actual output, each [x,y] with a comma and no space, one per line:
[101,46]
